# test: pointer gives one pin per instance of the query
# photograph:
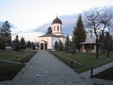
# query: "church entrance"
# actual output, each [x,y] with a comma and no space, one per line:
[43,45]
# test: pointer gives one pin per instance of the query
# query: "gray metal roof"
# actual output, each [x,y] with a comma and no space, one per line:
[51,35]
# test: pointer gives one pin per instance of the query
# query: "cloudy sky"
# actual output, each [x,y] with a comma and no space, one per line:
[27,15]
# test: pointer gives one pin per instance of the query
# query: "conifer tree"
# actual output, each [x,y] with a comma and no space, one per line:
[6,32]
[79,33]
[2,44]
[49,30]
[72,48]
[16,44]
[60,45]
[29,44]
[56,45]
[67,43]
[22,43]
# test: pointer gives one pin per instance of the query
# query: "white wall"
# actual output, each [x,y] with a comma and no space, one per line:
[54,29]
[48,39]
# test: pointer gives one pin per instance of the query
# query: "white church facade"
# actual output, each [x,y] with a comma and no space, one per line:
[47,41]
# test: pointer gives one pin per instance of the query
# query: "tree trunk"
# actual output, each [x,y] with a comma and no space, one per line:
[97,49]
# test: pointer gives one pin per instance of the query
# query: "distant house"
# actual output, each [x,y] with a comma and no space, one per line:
[89,46]
[48,40]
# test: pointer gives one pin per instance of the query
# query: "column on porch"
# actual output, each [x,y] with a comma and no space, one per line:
[39,46]
[95,48]
[83,50]
[43,46]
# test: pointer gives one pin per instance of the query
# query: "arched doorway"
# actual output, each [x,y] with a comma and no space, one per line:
[43,45]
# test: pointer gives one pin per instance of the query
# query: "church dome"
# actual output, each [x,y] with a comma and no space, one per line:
[57,20]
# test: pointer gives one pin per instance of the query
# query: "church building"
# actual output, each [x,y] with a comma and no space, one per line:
[48,40]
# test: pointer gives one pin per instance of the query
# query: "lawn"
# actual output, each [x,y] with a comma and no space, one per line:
[106,74]
[11,55]
[9,70]
[87,60]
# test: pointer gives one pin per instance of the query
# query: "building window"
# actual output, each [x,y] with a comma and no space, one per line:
[54,28]
[57,28]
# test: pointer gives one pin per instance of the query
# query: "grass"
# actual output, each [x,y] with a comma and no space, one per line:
[11,55]
[9,70]
[87,60]
[106,74]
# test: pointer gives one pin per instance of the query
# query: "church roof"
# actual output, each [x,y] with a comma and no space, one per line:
[42,41]
[51,35]
[57,20]
[90,39]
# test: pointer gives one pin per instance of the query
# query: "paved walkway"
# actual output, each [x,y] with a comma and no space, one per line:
[95,81]
[96,70]
[45,69]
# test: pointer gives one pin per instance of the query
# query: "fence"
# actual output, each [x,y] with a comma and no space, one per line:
[73,64]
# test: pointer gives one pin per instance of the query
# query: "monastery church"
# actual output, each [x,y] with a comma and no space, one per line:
[48,40]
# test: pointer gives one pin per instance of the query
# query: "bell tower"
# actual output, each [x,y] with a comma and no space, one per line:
[57,26]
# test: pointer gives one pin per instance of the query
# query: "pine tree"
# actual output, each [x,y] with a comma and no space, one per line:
[79,33]
[49,30]
[16,44]
[29,44]
[72,48]
[6,32]
[67,43]
[60,45]
[2,44]
[56,45]
[22,43]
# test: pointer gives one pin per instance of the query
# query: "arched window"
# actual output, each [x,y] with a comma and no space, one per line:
[54,28]
[57,28]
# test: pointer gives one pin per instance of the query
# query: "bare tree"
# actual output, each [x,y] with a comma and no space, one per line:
[99,20]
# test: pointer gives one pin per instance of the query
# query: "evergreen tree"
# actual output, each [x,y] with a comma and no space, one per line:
[16,44]
[49,30]
[79,33]
[108,40]
[72,48]
[60,45]
[105,39]
[33,45]
[6,32]
[22,43]
[29,44]
[56,45]
[2,44]
[67,43]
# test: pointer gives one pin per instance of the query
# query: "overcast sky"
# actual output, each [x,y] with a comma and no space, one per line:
[27,15]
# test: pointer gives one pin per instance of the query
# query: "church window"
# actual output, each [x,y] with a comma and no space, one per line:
[54,28]
[57,28]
